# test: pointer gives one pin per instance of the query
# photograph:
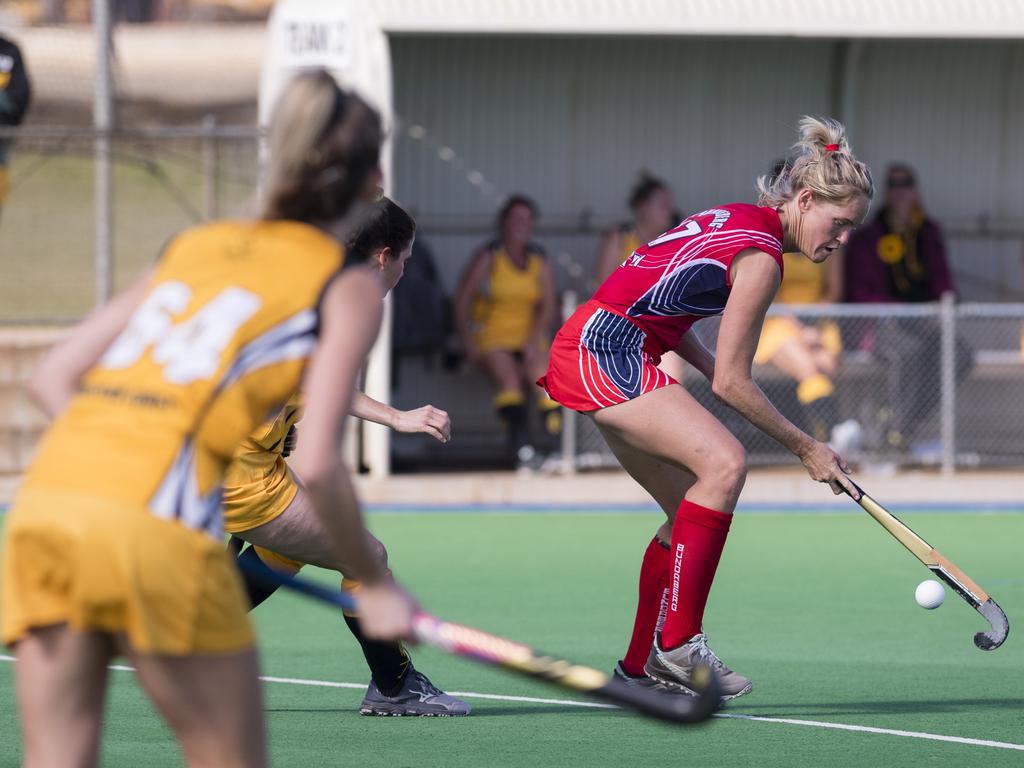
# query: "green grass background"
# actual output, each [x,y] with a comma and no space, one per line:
[817,609]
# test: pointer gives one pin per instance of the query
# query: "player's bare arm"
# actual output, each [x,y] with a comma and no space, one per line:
[756,278]
[469,285]
[57,377]
[427,419]
[546,309]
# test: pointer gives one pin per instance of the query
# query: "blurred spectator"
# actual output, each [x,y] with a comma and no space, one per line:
[653,207]
[900,257]
[15,95]
[654,212]
[808,353]
[504,311]
[422,313]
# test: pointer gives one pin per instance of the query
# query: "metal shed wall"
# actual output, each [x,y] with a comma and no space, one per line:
[570,121]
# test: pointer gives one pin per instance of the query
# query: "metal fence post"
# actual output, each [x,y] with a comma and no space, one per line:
[947,326]
[569,416]
[211,167]
[103,122]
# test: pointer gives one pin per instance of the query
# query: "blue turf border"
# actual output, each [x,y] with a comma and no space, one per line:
[755,508]
[748,508]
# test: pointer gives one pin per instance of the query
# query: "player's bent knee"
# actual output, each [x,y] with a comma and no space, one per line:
[730,468]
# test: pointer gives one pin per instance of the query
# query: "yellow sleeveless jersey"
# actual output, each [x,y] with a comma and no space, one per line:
[504,312]
[803,281]
[258,486]
[215,348]
[630,242]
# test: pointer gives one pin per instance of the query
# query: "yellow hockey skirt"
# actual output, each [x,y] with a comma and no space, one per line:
[93,564]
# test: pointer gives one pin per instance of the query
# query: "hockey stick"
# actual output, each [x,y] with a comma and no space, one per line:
[957,580]
[483,647]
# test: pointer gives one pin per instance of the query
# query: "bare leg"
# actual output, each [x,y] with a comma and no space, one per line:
[213,703]
[796,360]
[673,365]
[534,365]
[506,373]
[825,361]
[666,483]
[502,369]
[298,534]
[670,425]
[61,679]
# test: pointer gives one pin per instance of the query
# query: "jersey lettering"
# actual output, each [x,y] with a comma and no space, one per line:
[692,228]
[190,350]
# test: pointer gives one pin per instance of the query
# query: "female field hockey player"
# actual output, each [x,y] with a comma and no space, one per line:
[504,312]
[113,545]
[728,261]
[264,502]
[654,212]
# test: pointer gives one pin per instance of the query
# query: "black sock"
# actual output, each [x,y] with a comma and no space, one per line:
[551,425]
[258,589]
[388,662]
[516,428]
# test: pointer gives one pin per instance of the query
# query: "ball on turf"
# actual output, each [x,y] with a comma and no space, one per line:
[929,594]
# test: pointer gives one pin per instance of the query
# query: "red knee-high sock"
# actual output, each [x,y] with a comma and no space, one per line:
[653,595]
[698,536]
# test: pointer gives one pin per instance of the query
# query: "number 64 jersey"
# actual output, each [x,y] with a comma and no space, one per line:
[217,346]
[608,351]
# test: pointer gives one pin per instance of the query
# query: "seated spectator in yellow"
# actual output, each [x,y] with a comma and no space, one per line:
[504,311]
[807,352]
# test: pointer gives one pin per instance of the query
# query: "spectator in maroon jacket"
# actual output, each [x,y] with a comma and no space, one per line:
[900,257]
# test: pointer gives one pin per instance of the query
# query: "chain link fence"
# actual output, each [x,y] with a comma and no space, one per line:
[935,385]
[925,385]
[163,181]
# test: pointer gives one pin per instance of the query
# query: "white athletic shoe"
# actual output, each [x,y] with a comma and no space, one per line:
[675,667]
[847,437]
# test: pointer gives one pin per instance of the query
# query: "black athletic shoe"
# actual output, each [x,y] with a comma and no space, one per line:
[418,697]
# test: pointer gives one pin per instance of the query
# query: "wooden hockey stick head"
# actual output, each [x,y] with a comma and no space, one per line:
[944,569]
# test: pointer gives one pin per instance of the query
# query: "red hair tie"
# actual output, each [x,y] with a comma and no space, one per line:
[831,147]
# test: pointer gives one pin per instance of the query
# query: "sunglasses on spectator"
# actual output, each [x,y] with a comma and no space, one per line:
[900,182]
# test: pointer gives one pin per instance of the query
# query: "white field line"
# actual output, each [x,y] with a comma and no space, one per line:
[595,705]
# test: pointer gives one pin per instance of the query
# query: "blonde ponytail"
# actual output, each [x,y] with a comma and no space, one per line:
[322,143]
[822,162]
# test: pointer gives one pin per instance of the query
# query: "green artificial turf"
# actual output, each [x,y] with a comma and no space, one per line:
[817,609]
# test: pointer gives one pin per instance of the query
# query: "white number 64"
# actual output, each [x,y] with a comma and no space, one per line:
[190,350]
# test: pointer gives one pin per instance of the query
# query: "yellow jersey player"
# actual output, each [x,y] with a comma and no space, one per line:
[113,545]
[264,502]
[505,306]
